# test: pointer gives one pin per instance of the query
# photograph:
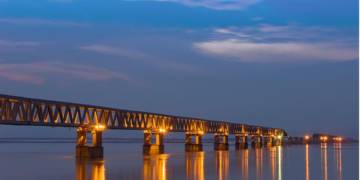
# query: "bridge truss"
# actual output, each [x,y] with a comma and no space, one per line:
[38,112]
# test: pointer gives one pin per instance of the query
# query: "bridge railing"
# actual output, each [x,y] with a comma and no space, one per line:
[29,111]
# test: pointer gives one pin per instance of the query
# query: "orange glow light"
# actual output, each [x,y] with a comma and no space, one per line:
[323,138]
[100,127]
[306,137]
[162,130]
[338,139]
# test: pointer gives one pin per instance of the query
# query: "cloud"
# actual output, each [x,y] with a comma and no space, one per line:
[257,18]
[213,4]
[48,22]
[268,32]
[226,31]
[117,51]
[38,73]
[269,43]
[61,1]
[13,75]
[4,43]
[138,55]
[245,51]
[272,28]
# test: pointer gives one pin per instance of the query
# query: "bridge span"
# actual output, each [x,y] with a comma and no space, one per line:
[94,120]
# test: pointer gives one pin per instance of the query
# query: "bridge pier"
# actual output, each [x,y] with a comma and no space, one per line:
[241,141]
[153,143]
[268,141]
[277,141]
[93,151]
[221,142]
[256,141]
[193,142]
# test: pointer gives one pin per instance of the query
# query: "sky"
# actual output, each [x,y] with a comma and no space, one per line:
[288,64]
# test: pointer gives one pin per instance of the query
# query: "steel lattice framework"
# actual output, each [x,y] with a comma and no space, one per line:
[37,112]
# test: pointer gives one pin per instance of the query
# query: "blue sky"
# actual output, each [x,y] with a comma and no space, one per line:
[290,64]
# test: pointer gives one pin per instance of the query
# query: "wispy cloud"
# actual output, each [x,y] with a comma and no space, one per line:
[114,50]
[62,1]
[257,18]
[38,73]
[138,55]
[268,32]
[5,43]
[48,22]
[245,51]
[227,31]
[11,74]
[213,4]
[268,43]
[276,28]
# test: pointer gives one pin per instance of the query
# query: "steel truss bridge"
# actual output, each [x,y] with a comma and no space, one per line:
[38,112]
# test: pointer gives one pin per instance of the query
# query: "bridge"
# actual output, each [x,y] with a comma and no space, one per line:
[94,120]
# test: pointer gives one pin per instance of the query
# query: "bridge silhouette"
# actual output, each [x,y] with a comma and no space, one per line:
[94,120]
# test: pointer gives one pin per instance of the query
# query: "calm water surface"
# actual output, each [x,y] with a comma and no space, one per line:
[125,161]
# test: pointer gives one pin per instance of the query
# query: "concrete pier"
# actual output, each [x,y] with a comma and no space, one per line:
[193,142]
[221,142]
[92,151]
[153,143]
[241,141]
[277,141]
[268,141]
[256,142]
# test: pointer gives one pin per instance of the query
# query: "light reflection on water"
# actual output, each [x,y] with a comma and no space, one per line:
[315,162]
[258,162]
[307,171]
[242,160]
[195,165]
[222,164]
[155,167]
[324,163]
[279,165]
[272,162]
[338,160]
[90,170]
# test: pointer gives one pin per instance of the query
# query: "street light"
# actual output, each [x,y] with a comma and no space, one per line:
[162,130]
[323,138]
[100,127]
[337,139]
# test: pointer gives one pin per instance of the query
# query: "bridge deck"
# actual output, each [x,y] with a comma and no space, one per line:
[38,112]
